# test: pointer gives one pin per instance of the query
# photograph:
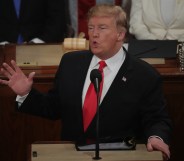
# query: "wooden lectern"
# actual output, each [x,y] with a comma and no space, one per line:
[67,152]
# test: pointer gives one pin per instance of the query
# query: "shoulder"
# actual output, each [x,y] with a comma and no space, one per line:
[77,54]
[76,58]
[142,68]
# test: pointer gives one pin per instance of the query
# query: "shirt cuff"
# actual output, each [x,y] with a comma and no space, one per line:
[155,136]
[21,99]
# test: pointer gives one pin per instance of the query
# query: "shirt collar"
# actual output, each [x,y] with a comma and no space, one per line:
[119,57]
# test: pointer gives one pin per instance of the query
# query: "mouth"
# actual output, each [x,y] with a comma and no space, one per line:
[94,44]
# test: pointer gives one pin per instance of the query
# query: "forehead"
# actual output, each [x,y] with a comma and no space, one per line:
[101,20]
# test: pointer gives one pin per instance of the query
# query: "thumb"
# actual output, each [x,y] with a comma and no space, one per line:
[149,147]
[31,75]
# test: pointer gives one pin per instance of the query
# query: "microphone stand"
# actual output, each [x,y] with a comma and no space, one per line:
[97,157]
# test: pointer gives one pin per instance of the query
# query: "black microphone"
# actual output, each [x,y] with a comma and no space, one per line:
[96,78]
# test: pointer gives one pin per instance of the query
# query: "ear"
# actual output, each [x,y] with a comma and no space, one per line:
[121,36]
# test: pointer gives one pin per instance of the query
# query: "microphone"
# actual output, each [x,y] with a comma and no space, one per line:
[96,78]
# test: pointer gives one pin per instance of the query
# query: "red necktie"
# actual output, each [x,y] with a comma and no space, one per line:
[90,102]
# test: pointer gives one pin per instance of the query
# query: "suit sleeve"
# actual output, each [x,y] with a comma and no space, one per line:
[47,105]
[156,120]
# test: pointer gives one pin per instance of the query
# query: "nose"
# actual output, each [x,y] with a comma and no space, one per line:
[96,33]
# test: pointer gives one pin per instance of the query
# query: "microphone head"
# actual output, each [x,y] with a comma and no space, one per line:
[95,74]
[96,78]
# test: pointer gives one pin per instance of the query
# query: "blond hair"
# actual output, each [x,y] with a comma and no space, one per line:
[108,10]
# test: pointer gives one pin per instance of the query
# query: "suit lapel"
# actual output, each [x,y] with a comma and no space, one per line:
[120,81]
[82,70]
[80,66]
[80,76]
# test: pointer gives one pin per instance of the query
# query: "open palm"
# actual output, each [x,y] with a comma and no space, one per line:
[16,79]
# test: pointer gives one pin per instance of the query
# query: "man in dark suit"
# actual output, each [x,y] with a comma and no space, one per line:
[38,21]
[131,100]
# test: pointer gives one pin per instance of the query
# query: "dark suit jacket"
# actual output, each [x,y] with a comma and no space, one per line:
[133,103]
[44,19]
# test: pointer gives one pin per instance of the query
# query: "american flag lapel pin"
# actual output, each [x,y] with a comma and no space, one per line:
[124,79]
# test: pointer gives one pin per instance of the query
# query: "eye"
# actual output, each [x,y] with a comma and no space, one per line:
[90,27]
[103,27]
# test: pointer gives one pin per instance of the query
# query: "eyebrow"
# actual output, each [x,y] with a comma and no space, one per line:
[99,25]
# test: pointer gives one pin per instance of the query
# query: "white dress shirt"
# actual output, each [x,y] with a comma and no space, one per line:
[113,65]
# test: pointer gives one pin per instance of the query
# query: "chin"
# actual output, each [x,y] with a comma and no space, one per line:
[95,51]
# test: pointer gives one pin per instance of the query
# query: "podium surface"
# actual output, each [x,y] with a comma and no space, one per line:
[67,152]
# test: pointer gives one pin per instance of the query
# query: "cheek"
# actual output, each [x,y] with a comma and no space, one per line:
[110,40]
[111,36]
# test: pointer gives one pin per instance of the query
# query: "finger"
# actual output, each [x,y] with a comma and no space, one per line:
[165,157]
[149,147]
[5,82]
[164,148]
[16,67]
[166,154]
[5,73]
[8,68]
[31,75]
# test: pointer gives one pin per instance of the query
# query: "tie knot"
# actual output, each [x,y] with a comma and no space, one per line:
[102,65]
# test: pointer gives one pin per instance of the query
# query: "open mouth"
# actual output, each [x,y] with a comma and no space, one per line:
[95,44]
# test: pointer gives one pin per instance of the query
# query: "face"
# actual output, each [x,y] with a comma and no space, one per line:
[104,38]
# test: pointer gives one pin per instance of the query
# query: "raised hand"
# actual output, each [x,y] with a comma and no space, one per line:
[16,79]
